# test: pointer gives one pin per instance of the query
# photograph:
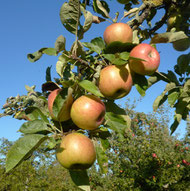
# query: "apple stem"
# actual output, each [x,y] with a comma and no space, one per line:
[61,127]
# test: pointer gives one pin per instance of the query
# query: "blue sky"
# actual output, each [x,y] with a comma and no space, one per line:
[27,26]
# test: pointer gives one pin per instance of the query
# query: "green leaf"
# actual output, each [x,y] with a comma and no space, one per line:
[101,7]
[186,87]
[119,62]
[180,109]
[29,89]
[35,113]
[64,97]
[96,45]
[110,57]
[116,123]
[174,125]
[140,83]
[77,48]
[124,55]
[36,126]
[70,14]
[183,62]
[50,51]
[105,144]
[23,148]
[172,97]
[117,59]
[59,68]
[172,77]
[102,159]
[50,86]
[114,108]
[159,101]
[163,97]
[33,57]
[87,22]
[81,179]
[118,47]
[48,74]
[152,80]
[90,87]
[60,43]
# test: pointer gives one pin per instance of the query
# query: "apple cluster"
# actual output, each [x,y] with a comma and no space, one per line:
[76,150]
[114,82]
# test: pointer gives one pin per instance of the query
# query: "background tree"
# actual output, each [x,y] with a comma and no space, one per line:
[149,158]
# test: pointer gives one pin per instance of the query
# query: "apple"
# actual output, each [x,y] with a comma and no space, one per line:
[174,20]
[118,32]
[115,81]
[76,152]
[150,59]
[64,114]
[181,45]
[154,155]
[184,161]
[87,112]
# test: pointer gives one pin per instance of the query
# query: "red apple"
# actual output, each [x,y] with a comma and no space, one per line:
[115,81]
[154,155]
[184,161]
[118,32]
[87,112]
[76,152]
[150,59]
[66,107]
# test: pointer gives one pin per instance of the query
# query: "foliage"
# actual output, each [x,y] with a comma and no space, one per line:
[79,69]
[149,158]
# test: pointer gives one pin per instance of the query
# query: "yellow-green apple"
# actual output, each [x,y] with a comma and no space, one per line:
[174,20]
[87,112]
[149,59]
[65,108]
[118,32]
[76,152]
[115,81]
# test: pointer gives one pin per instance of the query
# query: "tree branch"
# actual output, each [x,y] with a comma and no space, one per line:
[74,57]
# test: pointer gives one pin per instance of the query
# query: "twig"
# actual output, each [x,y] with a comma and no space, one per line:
[74,57]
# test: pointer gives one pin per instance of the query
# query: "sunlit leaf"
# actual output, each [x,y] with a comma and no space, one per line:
[22,148]
[70,14]
[60,43]
[90,87]
[36,126]
[101,7]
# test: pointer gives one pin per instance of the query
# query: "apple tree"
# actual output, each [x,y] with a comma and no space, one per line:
[92,75]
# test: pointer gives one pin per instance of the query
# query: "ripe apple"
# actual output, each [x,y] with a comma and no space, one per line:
[150,59]
[184,161]
[154,155]
[115,81]
[181,45]
[64,114]
[87,112]
[76,152]
[118,32]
